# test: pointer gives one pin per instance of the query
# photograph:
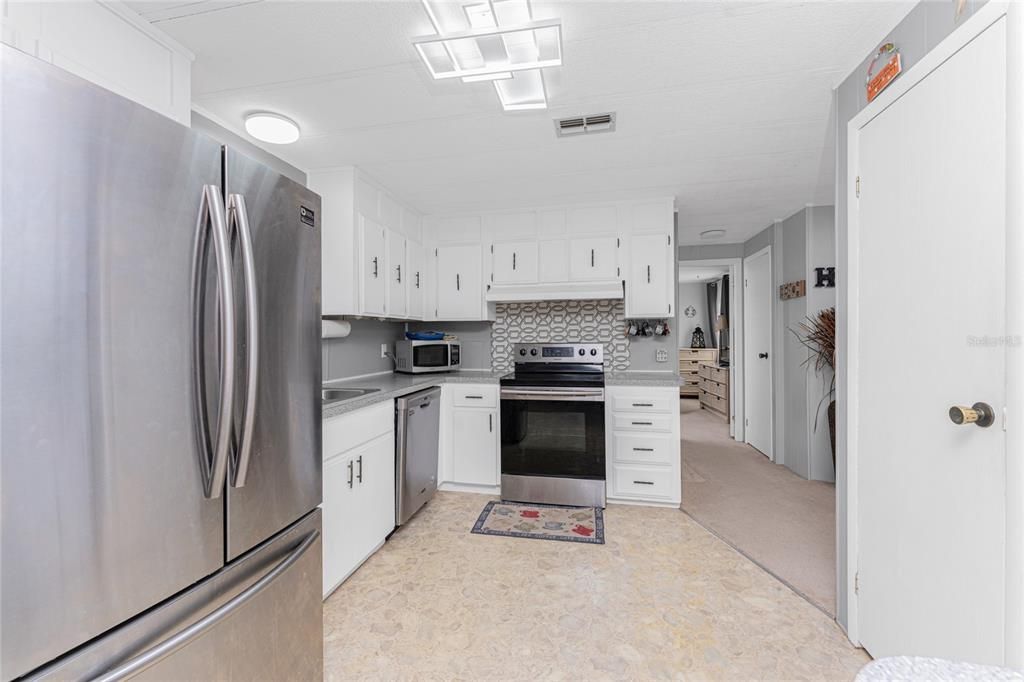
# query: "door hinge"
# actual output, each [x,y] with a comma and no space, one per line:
[618,272]
[856,582]
[858,187]
[435,253]
[618,242]
[669,237]
[746,422]
[492,248]
[492,276]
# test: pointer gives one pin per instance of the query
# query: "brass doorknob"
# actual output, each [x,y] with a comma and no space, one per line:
[980,414]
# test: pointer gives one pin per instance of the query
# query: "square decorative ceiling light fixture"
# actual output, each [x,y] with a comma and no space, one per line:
[495,41]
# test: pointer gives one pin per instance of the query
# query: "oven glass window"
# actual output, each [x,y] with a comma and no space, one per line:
[434,355]
[552,438]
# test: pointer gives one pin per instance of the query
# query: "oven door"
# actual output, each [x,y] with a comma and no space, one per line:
[430,356]
[555,432]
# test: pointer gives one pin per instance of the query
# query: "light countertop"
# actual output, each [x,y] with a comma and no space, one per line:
[394,385]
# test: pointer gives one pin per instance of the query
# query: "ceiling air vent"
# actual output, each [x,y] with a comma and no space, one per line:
[583,125]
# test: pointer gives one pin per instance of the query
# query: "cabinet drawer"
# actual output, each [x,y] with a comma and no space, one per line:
[689,365]
[696,353]
[704,371]
[714,401]
[638,403]
[474,395]
[641,481]
[643,448]
[643,422]
[715,388]
[719,374]
[346,431]
[691,381]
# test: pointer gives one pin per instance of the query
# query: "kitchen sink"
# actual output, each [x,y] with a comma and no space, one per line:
[333,395]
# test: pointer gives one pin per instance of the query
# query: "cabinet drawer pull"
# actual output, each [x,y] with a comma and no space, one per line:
[643,404]
[513,260]
[474,397]
[643,423]
[399,268]
[644,482]
[591,258]
[458,283]
[360,475]
[350,474]
[490,423]
[643,449]
[417,280]
[648,274]
[374,266]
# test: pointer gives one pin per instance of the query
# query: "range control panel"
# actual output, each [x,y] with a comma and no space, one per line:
[589,353]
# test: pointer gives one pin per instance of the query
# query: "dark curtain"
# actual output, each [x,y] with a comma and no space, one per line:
[709,331]
[723,341]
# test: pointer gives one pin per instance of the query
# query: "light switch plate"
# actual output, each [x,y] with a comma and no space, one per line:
[661,355]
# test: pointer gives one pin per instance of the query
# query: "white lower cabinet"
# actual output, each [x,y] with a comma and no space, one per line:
[642,444]
[472,444]
[359,489]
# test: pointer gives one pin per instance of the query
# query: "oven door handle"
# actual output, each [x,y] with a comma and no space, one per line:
[593,395]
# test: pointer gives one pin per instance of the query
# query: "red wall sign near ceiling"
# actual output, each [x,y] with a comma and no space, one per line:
[891,68]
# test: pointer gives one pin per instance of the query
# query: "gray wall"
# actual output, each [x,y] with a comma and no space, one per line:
[359,352]
[791,412]
[695,294]
[711,252]
[225,136]
[920,31]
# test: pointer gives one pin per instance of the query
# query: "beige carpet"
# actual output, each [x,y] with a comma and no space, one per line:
[776,518]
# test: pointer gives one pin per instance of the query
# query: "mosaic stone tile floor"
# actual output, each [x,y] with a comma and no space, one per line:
[663,599]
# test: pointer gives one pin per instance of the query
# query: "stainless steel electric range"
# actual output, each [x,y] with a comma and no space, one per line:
[552,425]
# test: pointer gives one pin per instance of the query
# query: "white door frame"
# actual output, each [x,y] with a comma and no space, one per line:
[771,346]
[848,320]
[735,266]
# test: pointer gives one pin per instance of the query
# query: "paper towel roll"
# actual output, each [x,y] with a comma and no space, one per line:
[335,329]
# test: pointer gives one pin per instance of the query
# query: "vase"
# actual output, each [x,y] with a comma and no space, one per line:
[832,430]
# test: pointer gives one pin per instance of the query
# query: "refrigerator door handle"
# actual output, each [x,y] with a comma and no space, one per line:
[213,465]
[156,653]
[238,220]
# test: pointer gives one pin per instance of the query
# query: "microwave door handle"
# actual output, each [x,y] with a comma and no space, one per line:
[238,218]
[213,465]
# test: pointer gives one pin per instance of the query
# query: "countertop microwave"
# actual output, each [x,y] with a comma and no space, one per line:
[415,357]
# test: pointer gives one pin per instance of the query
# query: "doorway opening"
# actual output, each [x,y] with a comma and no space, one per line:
[734,479]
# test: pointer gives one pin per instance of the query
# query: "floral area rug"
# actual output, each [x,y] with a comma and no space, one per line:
[543,522]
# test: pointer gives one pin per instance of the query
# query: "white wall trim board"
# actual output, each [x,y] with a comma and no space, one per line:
[771,350]
[735,266]
[848,313]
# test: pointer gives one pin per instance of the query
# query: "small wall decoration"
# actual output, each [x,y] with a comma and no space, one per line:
[793,290]
[876,82]
[690,311]
[824,277]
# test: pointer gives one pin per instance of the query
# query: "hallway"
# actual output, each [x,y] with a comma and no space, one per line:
[779,520]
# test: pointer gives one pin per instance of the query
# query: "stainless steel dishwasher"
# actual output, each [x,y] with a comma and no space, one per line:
[417,430]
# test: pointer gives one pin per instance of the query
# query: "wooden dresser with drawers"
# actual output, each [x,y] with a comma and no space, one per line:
[713,382]
[689,368]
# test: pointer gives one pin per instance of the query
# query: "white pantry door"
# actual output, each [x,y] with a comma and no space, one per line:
[757,350]
[928,237]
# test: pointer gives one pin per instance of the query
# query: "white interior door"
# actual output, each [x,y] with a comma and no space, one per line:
[928,325]
[757,350]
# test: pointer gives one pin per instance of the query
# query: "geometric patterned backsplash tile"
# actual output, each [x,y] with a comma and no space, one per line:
[598,321]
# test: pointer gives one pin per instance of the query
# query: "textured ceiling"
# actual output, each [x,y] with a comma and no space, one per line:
[725,105]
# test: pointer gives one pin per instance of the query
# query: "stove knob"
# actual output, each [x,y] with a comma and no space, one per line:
[522,351]
[533,351]
[593,351]
[582,352]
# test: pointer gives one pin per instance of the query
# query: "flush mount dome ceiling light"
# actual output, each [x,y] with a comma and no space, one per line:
[496,41]
[711,235]
[272,128]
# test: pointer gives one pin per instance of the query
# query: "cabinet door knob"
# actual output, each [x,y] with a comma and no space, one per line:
[979,414]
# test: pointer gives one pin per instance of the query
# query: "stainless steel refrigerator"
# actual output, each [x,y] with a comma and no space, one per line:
[159,396]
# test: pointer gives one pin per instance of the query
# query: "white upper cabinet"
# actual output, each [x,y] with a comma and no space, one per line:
[108,44]
[592,220]
[649,290]
[514,262]
[460,283]
[415,279]
[398,276]
[373,289]
[593,259]
[553,260]
[366,243]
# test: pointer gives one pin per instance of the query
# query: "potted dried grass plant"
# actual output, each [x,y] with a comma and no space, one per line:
[818,333]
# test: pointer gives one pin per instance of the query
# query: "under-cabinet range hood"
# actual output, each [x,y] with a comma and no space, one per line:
[554,291]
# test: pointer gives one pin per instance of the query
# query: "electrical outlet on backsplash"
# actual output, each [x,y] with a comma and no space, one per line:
[597,321]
